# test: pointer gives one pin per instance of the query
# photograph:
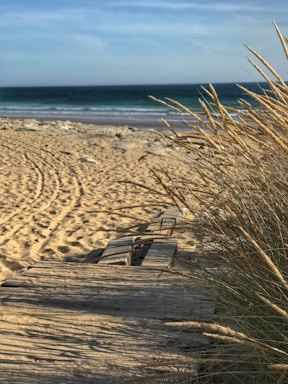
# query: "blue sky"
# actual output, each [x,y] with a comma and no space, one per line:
[91,42]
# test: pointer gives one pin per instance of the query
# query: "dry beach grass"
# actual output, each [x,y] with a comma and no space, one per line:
[240,226]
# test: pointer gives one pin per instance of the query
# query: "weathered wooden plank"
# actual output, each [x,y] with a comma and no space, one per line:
[160,227]
[118,251]
[165,223]
[16,283]
[49,264]
[69,327]
[174,213]
[160,254]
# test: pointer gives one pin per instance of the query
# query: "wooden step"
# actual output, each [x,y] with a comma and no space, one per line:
[160,254]
[174,214]
[118,251]
[163,228]
[165,223]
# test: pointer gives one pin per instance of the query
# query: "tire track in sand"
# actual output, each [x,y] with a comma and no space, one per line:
[28,202]
[31,227]
[12,173]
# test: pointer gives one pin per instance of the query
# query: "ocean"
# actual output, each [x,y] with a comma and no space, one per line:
[118,105]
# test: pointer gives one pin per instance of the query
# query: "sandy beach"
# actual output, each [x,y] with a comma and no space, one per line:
[63,183]
[66,189]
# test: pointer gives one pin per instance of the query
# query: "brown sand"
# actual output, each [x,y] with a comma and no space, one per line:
[60,183]
[86,323]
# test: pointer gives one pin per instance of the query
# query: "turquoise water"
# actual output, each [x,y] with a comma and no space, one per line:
[111,104]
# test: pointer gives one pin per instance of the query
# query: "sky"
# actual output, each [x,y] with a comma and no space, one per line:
[116,42]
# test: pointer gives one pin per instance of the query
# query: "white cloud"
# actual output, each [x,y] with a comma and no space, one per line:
[160,29]
[89,41]
[41,20]
[214,6]
[186,37]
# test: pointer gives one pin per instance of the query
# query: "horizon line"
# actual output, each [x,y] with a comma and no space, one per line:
[131,85]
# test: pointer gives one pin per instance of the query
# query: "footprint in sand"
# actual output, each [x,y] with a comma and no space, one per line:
[63,249]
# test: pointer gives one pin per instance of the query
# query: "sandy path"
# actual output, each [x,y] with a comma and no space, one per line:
[61,186]
[57,184]
[85,323]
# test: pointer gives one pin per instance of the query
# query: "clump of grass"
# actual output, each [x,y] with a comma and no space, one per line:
[241,191]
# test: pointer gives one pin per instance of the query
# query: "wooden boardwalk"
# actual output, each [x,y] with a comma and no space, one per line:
[157,236]
[90,323]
